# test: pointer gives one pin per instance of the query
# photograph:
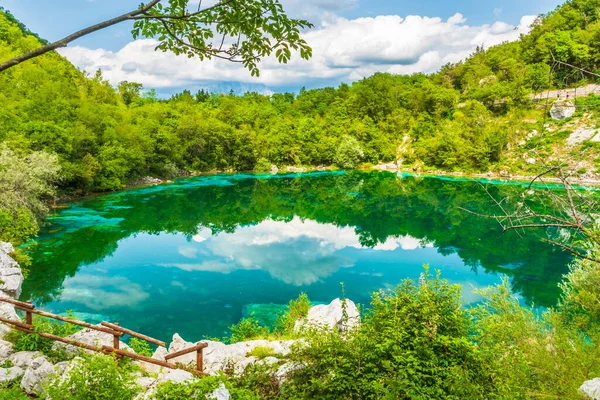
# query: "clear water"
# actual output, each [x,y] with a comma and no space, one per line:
[195,256]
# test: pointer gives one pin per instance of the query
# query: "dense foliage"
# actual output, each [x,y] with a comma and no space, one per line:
[461,118]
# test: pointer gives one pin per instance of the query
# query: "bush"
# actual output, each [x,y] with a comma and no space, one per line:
[349,153]
[413,344]
[247,329]
[141,347]
[12,391]
[31,342]
[198,389]
[297,309]
[96,377]
[262,352]
[263,165]
[531,355]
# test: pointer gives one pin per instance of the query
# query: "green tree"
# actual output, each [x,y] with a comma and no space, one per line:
[349,153]
[258,28]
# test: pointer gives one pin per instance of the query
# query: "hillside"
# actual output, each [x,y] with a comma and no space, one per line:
[474,116]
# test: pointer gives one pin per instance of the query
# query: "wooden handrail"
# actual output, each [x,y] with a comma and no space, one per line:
[187,351]
[16,323]
[17,303]
[71,321]
[134,334]
[112,329]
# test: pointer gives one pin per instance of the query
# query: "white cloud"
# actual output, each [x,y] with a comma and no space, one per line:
[343,50]
[99,293]
[268,245]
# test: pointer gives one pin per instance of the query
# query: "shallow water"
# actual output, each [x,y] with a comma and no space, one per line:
[195,256]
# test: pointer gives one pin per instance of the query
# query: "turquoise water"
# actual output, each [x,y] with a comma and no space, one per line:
[195,256]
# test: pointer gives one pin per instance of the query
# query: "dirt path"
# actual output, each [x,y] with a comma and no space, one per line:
[567,93]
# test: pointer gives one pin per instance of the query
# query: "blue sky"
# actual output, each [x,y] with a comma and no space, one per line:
[369,35]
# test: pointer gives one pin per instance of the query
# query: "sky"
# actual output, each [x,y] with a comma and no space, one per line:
[352,39]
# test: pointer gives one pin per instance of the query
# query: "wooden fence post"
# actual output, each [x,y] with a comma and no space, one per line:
[116,342]
[199,360]
[29,317]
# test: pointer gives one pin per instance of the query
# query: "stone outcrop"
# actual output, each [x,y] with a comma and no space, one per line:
[331,316]
[36,375]
[562,109]
[11,279]
[218,356]
[10,374]
[591,389]
[91,337]
[220,393]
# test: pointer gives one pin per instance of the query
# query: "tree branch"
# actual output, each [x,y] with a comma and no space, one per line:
[64,41]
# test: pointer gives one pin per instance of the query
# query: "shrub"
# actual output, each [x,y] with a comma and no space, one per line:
[95,377]
[247,329]
[297,309]
[531,355]
[141,347]
[262,352]
[349,153]
[31,342]
[262,165]
[12,391]
[198,389]
[413,344]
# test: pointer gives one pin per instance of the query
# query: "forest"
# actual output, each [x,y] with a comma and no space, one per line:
[94,137]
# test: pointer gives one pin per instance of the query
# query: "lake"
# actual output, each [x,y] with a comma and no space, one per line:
[196,255]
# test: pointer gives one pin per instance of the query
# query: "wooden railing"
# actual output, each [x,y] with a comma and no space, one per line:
[110,328]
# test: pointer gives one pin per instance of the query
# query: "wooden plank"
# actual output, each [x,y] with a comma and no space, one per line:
[108,349]
[187,351]
[17,303]
[16,323]
[134,334]
[72,321]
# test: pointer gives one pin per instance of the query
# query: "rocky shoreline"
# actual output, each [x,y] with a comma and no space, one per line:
[33,369]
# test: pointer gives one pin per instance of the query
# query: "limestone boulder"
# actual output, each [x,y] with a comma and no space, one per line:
[174,376]
[562,109]
[159,354]
[36,375]
[91,337]
[220,393]
[591,389]
[6,350]
[331,316]
[10,374]
[219,356]
[24,359]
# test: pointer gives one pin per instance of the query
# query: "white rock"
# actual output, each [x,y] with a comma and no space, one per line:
[530,161]
[218,356]
[36,375]
[175,376]
[159,354]
[11,277]
[91,337]
[580,135]
[221,393]
[10,374]
[284,372]
[331,316]
[23,359]
[270,360]
[562,109]
[274,169]
[6,350]
[145,382]
[591,389]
